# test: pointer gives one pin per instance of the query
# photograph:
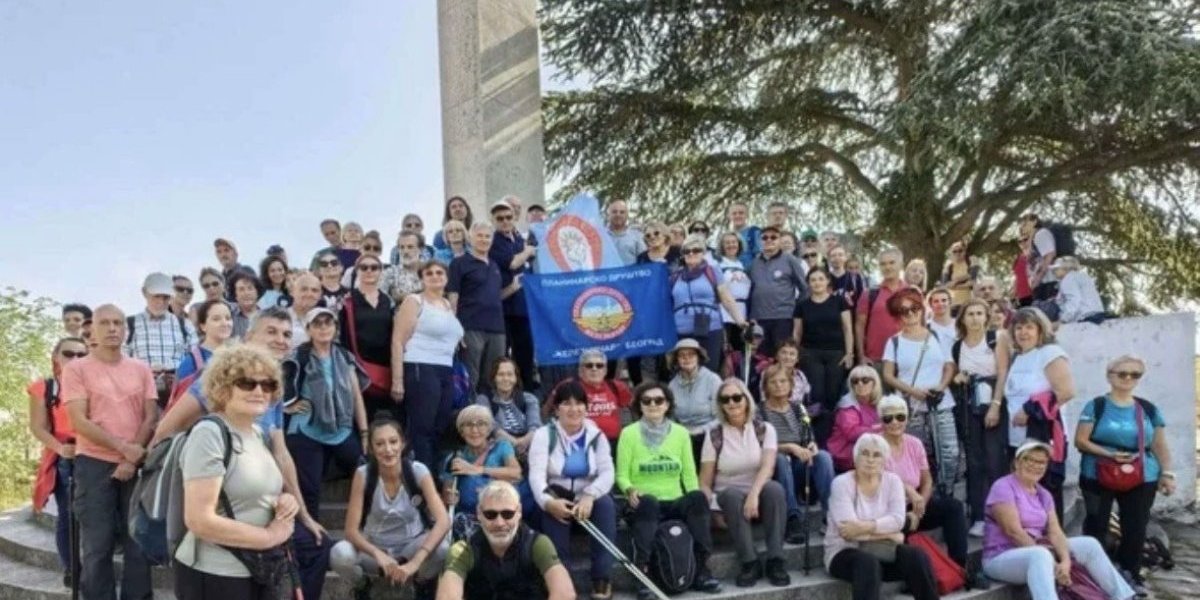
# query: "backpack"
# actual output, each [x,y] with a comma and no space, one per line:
[1064,238]
[156,504]
[131,321]
[716,437]
[407,479]
[672,558]
[956,350]
[182,386]
[949,575]
[51,400]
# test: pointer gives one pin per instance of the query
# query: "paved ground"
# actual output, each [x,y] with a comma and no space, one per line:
[1184,580]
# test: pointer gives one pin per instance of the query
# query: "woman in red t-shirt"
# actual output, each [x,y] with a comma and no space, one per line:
[606,397]
[49,423]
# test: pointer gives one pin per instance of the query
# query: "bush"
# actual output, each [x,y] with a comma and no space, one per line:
[27,335]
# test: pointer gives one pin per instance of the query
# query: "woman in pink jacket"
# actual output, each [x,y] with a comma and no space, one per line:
[856,415]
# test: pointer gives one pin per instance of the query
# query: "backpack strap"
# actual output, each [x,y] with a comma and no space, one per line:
[369,486]
[956,351]
[991,337]
[129,326]
[409,479]
[716,436]
[183,332]
[226,457]
[197,357]
[50,398]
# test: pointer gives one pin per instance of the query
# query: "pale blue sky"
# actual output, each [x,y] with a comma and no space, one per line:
[136,132]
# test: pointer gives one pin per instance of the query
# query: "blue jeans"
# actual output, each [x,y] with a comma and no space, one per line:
[604,517]
[791,473]
[62,499]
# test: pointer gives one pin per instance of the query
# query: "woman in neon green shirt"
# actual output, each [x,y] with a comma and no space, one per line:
[656,471]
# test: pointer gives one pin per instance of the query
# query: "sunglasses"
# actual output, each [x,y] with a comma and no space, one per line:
[596,365]
[368,267]
[655,400]
[503,218]
[899,418]
[911,310]
[372,248]
[693,251]
[211,285]
[412,225]
[769,238]
[184,290]
[861,381]
[247,385]
[492,515]
[810,255]
[652,234]
[957,251]
[323,322]
[704,231]
[328,263]
[1134,375]
[73,354]
[732,398]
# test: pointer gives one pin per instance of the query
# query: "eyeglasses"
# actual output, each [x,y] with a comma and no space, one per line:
[328,263]
[652,234]
[476,425]
[693,251]
[73,354]
[179,289]
[898,417]
[871,454]
[655,400]
[1036,462]
[211,285]
[372,248]
[958,251]
[769,238]
[247,385]
[595,365]
[492,515]
[412,225]
[861,381]
[732,398]
[368,267]
[1134,375]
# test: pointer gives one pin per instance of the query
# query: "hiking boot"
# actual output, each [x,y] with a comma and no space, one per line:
[705,582]
[794,533]
[749,575]
[777,574]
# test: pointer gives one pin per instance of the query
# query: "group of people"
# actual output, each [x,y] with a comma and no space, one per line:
[412,373]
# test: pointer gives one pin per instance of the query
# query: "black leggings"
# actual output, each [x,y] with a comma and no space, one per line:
[825,374]
[866,573]
[191,584]
[946,513]
[1135,515]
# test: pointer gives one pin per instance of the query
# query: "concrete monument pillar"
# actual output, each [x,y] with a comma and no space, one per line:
[491,101]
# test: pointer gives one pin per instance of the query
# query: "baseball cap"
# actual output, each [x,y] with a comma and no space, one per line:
[536,206]
[809,235]
[500,204]
[159,284]
[312,315]
[1031,445]
[275,250]
[224,242]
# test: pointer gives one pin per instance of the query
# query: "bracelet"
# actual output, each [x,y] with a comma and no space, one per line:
[1168,474]
[995,403]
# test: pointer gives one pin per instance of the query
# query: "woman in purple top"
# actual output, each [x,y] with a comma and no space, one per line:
[863,542]
[1023,542]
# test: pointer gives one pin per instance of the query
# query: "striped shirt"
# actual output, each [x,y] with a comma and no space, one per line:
[161,341]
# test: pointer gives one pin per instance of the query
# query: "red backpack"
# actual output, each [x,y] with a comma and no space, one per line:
[182,385]
[950,575]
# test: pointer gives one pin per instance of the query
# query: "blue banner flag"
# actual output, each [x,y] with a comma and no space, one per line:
[576,239]
[623,312]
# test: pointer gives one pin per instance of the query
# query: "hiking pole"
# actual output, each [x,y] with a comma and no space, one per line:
[73,533]
[748,341]
[808,514]
[620,557]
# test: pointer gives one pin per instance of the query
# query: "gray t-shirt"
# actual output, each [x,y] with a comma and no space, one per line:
[629,243]
[253,483]
[788,429]
[394,522]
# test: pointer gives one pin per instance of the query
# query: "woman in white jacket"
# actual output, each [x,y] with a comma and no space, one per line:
[571,473]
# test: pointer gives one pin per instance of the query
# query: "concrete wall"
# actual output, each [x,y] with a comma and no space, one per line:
[491,101]
[1168,345]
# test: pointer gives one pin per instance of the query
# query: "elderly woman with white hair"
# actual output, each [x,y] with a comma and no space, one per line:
[863,540]
[698,292]
[907,459]
[1077,300]
[480,460]
[736,464]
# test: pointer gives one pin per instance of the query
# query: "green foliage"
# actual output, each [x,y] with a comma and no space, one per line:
[916,122]
[26,339]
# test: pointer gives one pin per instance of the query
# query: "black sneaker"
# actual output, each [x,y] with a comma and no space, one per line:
[705,582]
[977,581]
[794,533]
[362,591]
[644,593]
[777,574]
[67,579]
[749,575]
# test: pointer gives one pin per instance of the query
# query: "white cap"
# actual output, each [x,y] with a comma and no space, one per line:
[159,284]
[316,312]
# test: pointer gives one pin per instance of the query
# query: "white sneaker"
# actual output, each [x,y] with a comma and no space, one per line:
[976,530]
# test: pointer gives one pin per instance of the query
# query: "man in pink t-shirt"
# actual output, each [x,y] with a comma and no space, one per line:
[874,325]
[112,400]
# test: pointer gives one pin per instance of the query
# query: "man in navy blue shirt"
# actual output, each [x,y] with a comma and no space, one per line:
[512,255]
[475,291]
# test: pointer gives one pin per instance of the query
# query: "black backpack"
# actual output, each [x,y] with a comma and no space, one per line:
[672,557]
[1064,238]
[407,479]
[51,399]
